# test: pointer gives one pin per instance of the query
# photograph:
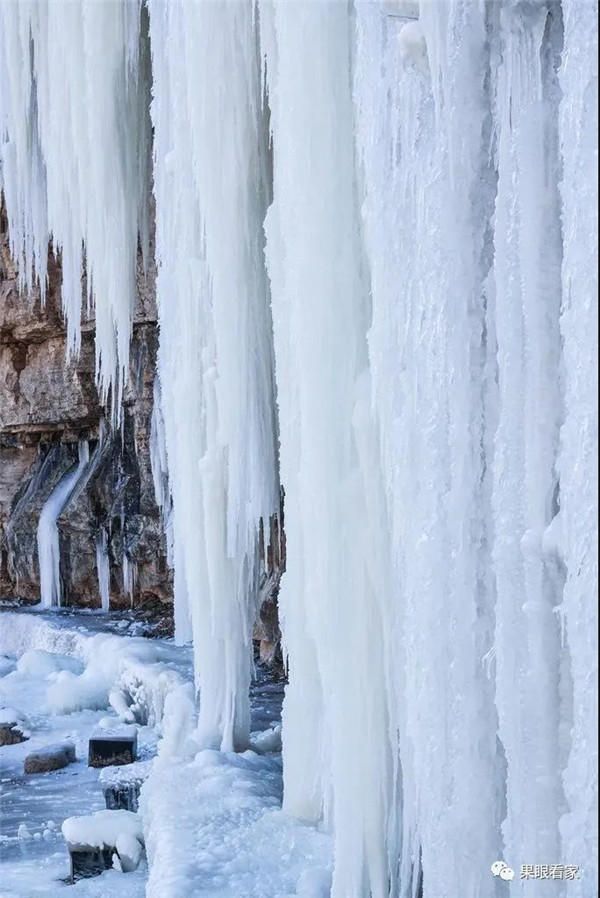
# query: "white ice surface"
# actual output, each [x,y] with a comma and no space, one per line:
[36,865]
[213,821]
[228,838]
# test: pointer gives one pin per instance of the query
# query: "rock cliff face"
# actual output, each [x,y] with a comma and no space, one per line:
[47,408]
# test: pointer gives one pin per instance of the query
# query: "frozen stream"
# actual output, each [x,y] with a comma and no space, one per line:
[43,657]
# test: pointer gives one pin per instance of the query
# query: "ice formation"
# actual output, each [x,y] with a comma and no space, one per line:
[103,570]
[215,357]
[47,532]
[376,237]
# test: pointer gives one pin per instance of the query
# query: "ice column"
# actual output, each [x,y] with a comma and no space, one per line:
[422,144]
[47,532]
[578,463]
[335,601]
[216,355]
[103,570]
[526,492]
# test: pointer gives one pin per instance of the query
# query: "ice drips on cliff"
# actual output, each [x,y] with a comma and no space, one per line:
[47,532]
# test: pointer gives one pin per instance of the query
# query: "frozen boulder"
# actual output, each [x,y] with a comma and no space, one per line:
[13,727]
[94,841]
[51,757]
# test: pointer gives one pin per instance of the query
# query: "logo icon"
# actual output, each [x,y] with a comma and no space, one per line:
[499,868]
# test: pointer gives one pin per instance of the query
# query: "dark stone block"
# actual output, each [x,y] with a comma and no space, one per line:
[112,750]
[122,798]
[86,862]
[121,785]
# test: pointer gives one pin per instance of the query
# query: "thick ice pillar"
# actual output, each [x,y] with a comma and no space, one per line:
[334,599]
[527,255]
[421,95]
[578,462]
[216,353]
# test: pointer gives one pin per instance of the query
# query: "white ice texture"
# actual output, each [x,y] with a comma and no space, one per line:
[376,239]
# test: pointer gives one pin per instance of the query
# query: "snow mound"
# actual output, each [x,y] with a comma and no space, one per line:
[129,850]
[102,829]
[10,717]
[40,663]
[69,692]
[125,774]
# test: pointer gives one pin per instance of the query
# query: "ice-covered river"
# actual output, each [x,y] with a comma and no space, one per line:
[56,669]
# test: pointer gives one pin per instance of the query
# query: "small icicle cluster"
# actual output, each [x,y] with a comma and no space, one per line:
[74,161]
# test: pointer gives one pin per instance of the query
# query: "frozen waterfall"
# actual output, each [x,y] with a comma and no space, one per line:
[103,570]
[376,245]
[47,532]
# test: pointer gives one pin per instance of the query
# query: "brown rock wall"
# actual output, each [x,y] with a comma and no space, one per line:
[46,408]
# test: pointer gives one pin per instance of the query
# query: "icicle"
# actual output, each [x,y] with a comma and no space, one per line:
[130,575]
[335,596]
[22,170]
[47,531]
[420,131]
[215,357]
[527,275]
[578,463]
[74,159]
[103,570]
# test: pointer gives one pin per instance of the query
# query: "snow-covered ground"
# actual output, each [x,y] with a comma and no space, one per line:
[52,666]
[212,820]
